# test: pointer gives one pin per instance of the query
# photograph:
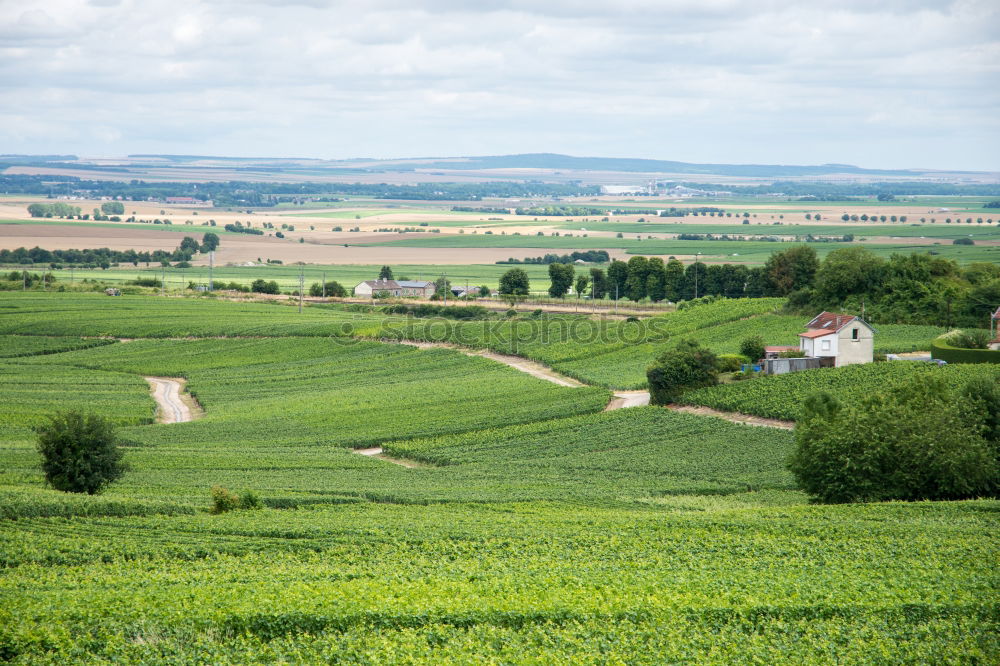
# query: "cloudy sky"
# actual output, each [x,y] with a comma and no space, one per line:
[885,83]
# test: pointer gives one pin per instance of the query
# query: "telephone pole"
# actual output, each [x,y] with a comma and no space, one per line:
[211,265]
[324,284]
[697,254]
[301,282]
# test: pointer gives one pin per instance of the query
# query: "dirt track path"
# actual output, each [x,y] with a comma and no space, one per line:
[376,452]
[624,399]
[167,393]
[735,417]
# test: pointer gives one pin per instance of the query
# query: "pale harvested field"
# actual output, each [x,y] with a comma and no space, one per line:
[239,249]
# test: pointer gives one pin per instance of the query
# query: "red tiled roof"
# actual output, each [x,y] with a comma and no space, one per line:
[831,320]
[816,333]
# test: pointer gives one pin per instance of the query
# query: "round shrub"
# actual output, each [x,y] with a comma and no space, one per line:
[731,362]
[686,366]
[80,453]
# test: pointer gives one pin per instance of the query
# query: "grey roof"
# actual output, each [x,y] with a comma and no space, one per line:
[413,284]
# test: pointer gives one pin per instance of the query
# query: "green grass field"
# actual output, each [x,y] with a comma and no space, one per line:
[667,226]
[609,352]
[537,528]
[287,276]
[746,252]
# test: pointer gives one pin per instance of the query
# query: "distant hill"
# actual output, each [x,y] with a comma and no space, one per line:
[625,164]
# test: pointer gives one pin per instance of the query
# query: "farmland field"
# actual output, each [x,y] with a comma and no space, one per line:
[780,396]
[534,528]
[749,251]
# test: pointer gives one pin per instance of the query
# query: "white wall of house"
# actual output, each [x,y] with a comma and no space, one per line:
[822,346]
[363,290]
[856,344]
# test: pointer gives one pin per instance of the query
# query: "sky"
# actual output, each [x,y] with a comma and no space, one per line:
[883,84]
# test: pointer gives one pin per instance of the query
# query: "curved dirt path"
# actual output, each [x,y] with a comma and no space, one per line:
[376,452]
[624,399]
[735,417]
[167,393]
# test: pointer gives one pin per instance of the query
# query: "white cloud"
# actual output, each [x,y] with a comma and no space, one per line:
[894,83]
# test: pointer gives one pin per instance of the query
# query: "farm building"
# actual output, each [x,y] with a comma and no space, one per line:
[460,292]
[395,288]
[186,201]
[838,339]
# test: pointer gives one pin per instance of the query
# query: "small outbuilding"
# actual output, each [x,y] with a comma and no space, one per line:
[838,339]
[395,288]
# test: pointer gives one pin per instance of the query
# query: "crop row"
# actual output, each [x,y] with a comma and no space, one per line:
[781,396]
[483,583]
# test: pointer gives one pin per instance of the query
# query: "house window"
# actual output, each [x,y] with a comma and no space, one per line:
[824,345]
[854,334]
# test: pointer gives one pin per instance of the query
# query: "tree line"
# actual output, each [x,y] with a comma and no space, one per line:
[264,195]
[905,288]
[105,257]
[591,256]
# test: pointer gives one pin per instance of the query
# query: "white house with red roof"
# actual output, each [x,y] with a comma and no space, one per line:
[838,339]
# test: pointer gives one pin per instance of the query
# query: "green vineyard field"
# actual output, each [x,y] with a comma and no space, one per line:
[533,527]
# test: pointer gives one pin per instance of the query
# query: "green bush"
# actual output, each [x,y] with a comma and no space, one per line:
[753,348]
[971,339]
[731,362]
[688,365]
[80,453]
[249,500]
[942,350]
[333,289]
[223,500]
[915,441]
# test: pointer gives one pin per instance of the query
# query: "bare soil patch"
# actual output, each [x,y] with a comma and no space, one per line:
[734,417]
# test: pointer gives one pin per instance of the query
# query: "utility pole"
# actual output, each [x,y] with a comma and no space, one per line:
[71,280]
[24,276]
[696,257]
[211,265]
[324,284]
[301,282]
[163,281]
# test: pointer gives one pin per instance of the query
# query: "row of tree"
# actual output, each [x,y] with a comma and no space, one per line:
[590,256]
[105,257]
[905,288]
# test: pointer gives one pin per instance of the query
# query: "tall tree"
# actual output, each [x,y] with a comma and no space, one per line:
[635,283]
[561,279]
[656,280]
[514,283]
[385,273]
[209,242]
[581,284]
[673,279]
[791,269]
[598,283]
[617,275]
[846,272]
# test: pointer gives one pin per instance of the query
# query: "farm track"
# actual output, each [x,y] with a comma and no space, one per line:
[167,393]
[376,452]
[734,417]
